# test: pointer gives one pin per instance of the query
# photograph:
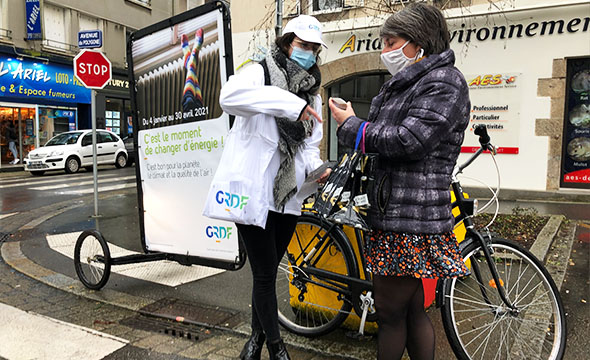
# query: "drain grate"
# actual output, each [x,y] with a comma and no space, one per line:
[167,327]
[193,313]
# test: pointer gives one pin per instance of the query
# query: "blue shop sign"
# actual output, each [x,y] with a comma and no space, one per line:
[33,11]
[35,80]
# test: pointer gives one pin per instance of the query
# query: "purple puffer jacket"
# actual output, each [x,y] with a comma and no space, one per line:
[417,124]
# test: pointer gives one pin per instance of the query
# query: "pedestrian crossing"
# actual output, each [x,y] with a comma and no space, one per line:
[163,272]
[27,335]
[77,184]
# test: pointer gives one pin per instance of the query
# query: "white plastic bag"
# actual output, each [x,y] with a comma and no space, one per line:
[238,192]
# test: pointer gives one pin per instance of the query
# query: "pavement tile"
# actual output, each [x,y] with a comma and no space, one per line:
[173,345]
[199,350]
[150,342]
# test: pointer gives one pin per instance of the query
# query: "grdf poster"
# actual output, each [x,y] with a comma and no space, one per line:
[178,67]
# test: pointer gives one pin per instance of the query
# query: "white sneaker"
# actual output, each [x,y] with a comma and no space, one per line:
[16,161]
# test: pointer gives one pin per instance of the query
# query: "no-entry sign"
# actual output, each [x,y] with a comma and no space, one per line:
[92,68]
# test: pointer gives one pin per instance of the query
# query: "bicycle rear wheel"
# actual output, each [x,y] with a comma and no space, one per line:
[92,259]
[309,305]
[482,327]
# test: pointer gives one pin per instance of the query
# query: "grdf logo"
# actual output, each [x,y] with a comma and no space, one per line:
[231,200]
[218,232]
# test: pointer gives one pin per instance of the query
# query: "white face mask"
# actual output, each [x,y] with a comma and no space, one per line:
[396,60]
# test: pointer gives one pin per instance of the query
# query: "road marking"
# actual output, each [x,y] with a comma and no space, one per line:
[87,182]
[61,179]
[26,335]
[100,189]
[32,224]
[164,272]
[2,216]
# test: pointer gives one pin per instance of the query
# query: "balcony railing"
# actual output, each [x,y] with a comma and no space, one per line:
[59,46]
[5,34]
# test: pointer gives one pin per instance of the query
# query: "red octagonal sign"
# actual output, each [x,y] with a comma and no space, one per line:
[92,68]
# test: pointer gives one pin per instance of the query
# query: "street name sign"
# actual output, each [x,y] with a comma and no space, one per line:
[89,39]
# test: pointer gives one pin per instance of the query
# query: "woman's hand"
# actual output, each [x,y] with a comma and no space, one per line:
[324,177]
[339,114]
[309,112]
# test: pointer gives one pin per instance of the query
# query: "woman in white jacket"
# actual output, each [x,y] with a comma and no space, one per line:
[277,107]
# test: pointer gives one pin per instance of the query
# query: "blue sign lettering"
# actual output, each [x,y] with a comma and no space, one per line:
[29,79]
[90,39]
[33,10]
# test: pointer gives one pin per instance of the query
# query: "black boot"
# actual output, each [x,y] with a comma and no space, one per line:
[277,351]
[253,347]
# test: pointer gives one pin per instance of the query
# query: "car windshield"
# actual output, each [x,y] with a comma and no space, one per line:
[64,139]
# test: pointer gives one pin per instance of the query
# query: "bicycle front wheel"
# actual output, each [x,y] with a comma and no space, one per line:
[312,305]
[480,326]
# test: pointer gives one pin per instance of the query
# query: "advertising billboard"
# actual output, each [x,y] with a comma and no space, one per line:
[575,163]
[177,69]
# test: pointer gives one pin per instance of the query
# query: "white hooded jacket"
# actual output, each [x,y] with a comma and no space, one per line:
[255,106]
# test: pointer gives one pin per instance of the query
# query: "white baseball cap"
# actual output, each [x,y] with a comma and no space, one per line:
[307,28]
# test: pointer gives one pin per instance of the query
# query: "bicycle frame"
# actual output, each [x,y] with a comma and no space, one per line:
[356,286]
[466,209]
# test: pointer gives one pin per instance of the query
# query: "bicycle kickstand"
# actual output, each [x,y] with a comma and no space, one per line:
[367,303]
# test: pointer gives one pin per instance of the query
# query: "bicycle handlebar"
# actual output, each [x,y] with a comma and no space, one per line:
[484,139]
[482,131]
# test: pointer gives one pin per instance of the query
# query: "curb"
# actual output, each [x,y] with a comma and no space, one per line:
[541,245]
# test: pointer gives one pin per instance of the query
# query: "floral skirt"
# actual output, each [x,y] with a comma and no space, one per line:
[414,255]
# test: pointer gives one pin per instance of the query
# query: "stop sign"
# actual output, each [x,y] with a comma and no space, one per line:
[92,68]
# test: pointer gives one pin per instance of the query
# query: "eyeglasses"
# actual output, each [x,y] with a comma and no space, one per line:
[315,48]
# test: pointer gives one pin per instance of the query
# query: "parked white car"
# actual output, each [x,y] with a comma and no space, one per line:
[72,150]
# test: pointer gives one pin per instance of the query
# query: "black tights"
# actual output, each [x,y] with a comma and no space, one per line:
[403,323]
[265,248]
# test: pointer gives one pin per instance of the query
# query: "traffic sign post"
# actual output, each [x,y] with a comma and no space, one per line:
[93,69]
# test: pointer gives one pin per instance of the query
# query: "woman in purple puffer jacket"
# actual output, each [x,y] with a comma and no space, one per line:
[416,124]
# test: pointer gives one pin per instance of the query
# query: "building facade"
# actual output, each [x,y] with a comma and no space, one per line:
[38,41]
[527,64]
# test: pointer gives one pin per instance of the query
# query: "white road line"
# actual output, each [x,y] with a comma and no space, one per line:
[87,182]
[2,216]
[167,273]
[61,179]
[26,335]
[100,189]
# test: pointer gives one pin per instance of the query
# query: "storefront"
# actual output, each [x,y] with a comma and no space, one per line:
[113,106]
[543,135]
[40,99]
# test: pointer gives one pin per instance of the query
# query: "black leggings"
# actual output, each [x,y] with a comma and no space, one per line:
[265,248]
[403,323]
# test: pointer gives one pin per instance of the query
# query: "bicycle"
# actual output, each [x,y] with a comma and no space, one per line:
[509,307]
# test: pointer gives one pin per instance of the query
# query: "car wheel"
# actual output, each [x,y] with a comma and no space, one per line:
[37,173]
[72,165]
[121,161]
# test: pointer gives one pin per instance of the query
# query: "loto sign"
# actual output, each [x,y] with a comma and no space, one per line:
[92,68]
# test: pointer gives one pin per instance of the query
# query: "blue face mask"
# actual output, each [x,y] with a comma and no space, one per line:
[303,58]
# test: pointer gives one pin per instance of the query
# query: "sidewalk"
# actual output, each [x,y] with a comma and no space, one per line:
[221,321]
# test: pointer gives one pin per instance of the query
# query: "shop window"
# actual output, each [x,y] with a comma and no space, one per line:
[360,91]
[23,120]
[114,114]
